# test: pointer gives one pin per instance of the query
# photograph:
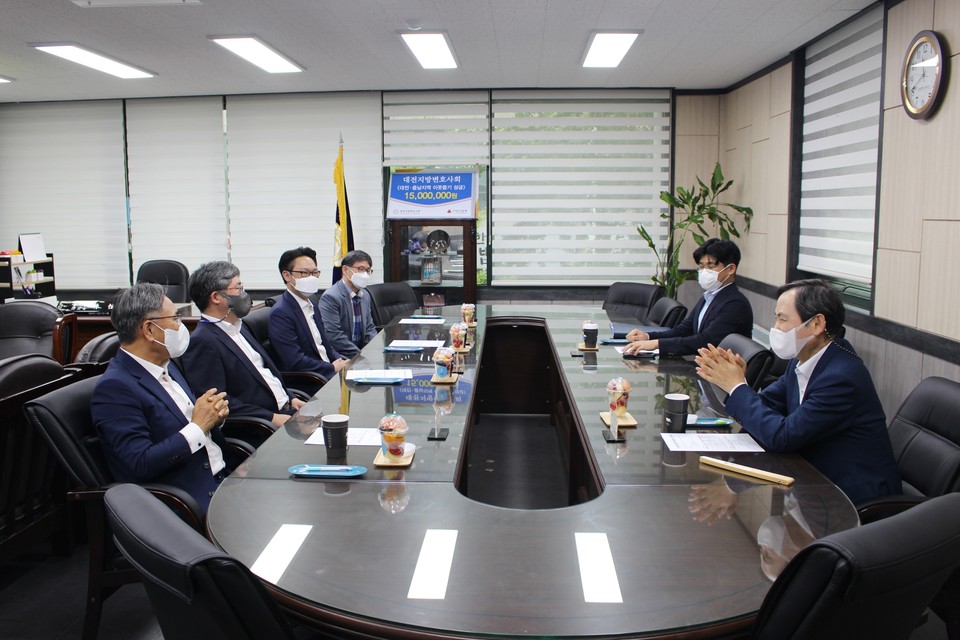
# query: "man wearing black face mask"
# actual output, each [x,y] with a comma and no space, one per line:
[224,354]
[152,427]
[722,310]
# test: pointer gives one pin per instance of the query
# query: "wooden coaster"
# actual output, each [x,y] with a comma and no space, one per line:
[464,349]
[471,325]
[626,420]
[450,379]
[584,347]
[382,460]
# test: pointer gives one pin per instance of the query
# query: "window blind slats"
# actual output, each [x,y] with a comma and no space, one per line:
[436,128]
[840,148]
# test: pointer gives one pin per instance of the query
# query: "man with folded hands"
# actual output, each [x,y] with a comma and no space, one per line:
[825,406]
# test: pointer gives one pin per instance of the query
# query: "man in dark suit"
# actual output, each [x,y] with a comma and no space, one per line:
[224,354]
[152,427]
[296,331]
[825,406]
[722,310]
[345,307]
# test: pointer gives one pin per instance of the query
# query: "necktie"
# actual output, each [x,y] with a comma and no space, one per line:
[356,320]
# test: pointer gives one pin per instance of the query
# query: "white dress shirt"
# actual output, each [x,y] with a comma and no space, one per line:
[308,310]
[196,437]
[805,370]
[233,330]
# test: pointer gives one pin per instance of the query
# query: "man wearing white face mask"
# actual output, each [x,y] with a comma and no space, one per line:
[722,310]
[152,427]
[296,331]
[825,406]
[345,307]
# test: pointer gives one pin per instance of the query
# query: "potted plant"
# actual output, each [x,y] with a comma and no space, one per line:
[694,208]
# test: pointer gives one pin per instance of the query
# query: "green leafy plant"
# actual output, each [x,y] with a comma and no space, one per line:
[693,209]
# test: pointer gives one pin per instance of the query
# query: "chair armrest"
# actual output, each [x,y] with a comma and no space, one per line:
[307,382]
[65,338]
[880,508]
[248,429]
[87,369]
[178,500]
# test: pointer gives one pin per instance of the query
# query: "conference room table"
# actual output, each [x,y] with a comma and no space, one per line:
[666,548]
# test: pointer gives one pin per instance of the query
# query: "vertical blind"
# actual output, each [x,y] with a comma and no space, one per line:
[62,175]
[175,161]
[573,173]
[281,151]
[840,150]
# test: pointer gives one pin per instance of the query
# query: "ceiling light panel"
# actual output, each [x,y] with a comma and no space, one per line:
[431,50]
[608,49]
[257,53]
[76,53]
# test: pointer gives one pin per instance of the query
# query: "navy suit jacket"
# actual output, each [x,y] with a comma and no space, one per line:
[213,360]
[840,428]
[292,340]
[730,312]
[139,427]
[336,311]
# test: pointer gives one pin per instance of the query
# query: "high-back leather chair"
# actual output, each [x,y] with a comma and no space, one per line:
[94,356]
[197,591]
[874,581]
[306,383]
[665,312]
[31,326]
[32,487]
[631,299]
[171,274]
[757,357]
[391,299]
[63,418]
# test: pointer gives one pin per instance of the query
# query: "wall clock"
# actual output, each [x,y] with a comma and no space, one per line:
[922,75]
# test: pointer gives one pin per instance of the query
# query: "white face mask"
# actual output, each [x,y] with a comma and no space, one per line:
[308,285]
[786,344]
[176,340]
[360,279]
[709,279]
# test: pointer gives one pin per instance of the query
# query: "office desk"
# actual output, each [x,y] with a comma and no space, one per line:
[514,572]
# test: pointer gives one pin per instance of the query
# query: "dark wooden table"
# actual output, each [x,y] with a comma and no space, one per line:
[514,572]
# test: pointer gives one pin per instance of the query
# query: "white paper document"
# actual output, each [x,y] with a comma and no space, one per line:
[417,343]
[422,321]
[710,442]
[379,374]
[356,437]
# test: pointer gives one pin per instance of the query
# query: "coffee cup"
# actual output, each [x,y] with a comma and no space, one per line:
[335,427]
[675,412]
[590,331]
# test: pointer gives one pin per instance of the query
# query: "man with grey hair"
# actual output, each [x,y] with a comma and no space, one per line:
[224,354]
[152,427]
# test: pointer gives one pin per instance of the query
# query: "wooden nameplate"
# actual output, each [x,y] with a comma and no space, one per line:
[450,379]
[383,461]
[626,420]
[584,347]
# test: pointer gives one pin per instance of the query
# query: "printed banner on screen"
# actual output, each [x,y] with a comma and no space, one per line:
[435,194]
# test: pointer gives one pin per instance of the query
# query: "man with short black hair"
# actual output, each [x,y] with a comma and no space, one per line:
[824,406]
[296,329]
[345,307]
[152,427]
[223,353]
[722,310]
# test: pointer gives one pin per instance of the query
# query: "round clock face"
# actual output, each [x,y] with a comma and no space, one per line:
[921,75]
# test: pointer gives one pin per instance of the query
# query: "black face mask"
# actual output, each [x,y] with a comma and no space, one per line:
[239,304]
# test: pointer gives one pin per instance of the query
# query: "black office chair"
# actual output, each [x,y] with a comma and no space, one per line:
[390,300]
[302,383]
[63,418]
[631,299]
[31,326]
[665,312]
[757,357]
[196,590]
[171,274]
[93,357]
[32,487]
[874,581]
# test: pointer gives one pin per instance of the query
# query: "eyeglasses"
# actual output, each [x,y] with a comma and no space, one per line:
[226,291]
[176,317]
[303,273]
[708,265]
[367,270]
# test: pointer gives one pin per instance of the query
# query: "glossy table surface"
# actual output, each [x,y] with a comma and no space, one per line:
[670,560]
